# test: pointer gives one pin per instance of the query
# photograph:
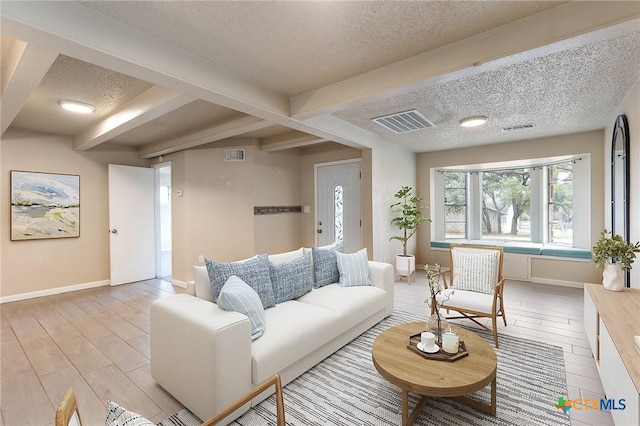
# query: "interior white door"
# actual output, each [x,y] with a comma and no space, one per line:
[338,201]
[131,224]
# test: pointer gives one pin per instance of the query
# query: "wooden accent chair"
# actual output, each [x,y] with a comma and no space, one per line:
[67,413]
[272,381]
[476,277]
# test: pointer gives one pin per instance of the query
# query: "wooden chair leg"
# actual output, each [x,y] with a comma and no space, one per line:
[495,329]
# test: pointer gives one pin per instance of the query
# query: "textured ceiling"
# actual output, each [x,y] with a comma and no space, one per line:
[568,91]
[188,118]
[70,78]
[294,47]
[167,76]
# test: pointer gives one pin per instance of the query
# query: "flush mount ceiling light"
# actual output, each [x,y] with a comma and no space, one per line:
[77,106]
[474,121]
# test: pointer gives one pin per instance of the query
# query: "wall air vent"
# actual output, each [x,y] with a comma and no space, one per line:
[234,155]
[519,127]
[403,122]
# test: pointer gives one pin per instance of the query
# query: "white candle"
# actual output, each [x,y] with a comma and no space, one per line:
[450,342]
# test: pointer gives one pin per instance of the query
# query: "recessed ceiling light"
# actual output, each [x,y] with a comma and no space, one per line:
[474,121]
[77,106]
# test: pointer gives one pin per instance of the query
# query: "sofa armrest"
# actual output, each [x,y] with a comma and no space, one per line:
[200,353]
[381,275]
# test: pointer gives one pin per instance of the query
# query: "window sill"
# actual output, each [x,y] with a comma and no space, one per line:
[534,249]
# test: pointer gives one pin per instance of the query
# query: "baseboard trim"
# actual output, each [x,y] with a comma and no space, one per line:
[52,291]
[559,283]
[179,283]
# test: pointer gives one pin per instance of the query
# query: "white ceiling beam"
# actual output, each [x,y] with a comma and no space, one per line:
[288,141]
[148,106]
[461,59]
[82,33]
[218,132]
[27,65]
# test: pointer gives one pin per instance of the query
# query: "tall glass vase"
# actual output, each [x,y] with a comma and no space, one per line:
[437,325]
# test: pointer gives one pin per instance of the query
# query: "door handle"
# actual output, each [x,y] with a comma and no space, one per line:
[319,231]
[113,231]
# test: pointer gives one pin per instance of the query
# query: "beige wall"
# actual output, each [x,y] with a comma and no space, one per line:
[36,266]
[213,217]
[392,167]
[543,270]
[630,106]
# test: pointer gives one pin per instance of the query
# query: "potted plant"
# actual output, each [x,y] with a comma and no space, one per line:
[408,216]
[613,255]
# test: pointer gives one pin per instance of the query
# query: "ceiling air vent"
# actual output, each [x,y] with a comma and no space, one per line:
[234,155]
[403,122]
[519,127]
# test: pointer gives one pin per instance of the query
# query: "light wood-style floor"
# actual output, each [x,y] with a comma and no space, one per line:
[97,341]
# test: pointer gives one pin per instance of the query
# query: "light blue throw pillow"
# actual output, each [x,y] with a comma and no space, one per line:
[238,296]
[291,279]
[254,272]
[325,266]
[353,268]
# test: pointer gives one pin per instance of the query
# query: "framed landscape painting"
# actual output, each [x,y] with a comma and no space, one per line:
[44,205]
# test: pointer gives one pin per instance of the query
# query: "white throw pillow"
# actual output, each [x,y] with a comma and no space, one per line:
[118,416]
[475,270]
[353,268]
[238,296]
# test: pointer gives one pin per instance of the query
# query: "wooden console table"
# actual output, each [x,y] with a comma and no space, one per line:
[611,319]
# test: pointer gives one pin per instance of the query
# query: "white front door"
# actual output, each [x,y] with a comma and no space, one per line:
[338,202]
[131,224]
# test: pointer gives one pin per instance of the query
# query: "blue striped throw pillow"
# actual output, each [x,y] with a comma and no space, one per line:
[353,268]
[238,296]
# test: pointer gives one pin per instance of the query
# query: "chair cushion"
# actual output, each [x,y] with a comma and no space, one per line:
[254,272]
[353,268]
[467,301]
[237,296]
[291,279]
[325,265]
[475,269]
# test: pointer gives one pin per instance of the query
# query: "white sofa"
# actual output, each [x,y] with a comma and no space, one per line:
[205,358]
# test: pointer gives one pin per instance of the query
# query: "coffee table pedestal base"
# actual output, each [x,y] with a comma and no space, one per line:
[409,418]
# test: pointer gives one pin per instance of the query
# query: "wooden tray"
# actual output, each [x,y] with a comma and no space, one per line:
[414,339]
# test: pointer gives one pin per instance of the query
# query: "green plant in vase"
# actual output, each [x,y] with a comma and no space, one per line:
[613,255]
[408,216]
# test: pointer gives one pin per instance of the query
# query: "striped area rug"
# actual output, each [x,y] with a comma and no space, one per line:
[346,390]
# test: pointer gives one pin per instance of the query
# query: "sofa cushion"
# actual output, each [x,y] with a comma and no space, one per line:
[286,257]
[325,265]
[295,330]
[119,416]
[202,283]
[254,272]
[237,296]
[353,268]
[352,304]
[291,279]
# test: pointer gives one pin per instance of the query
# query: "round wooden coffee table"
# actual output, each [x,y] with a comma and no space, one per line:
[434,378]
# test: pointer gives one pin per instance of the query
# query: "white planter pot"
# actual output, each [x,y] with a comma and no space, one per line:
[405,265]
[613,277]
